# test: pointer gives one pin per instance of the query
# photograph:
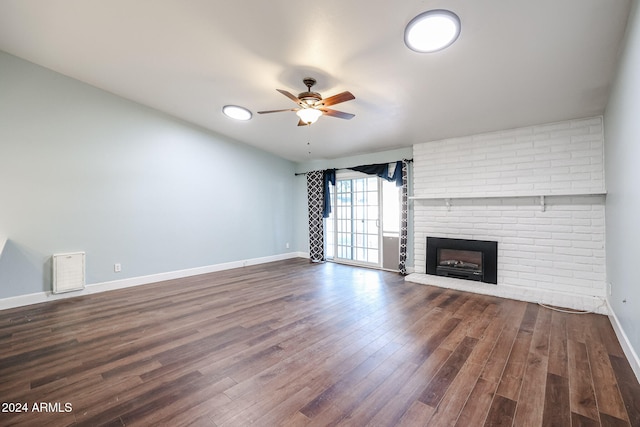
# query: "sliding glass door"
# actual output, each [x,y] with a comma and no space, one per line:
[362,214]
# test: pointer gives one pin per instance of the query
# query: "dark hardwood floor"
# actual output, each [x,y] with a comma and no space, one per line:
[292,343]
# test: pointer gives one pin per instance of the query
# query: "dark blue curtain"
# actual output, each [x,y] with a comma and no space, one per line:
[382,170]
[329,177]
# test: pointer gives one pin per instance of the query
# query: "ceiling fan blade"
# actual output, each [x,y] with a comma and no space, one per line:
[289,95]
[277,111]
[336,99]
[336,113]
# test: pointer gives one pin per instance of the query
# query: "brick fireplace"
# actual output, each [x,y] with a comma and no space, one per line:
[537,191]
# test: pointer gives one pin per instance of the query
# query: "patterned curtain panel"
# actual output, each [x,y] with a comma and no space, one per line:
[404,219]
[315,193]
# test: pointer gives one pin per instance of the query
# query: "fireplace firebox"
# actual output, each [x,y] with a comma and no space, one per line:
[463,259]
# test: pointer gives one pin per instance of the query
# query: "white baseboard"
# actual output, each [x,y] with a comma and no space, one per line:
[39,297]
[592,303]
[632,356]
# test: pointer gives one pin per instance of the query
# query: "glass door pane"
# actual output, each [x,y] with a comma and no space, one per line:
[390,209]
[355,221]
[390,225]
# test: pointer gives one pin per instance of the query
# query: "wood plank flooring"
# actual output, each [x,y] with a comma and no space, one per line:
[297,344]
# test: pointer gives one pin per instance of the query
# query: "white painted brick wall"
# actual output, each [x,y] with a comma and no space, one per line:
[556,159]
[560,249]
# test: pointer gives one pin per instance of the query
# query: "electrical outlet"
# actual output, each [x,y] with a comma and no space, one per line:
[286,245]
[609,288]
[117,267]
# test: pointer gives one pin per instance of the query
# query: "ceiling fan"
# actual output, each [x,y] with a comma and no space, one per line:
[311,105]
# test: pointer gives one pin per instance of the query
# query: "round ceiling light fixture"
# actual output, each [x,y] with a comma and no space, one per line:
[236,112]
[432,31]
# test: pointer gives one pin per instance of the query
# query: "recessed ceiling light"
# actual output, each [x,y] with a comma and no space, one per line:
[432,31]
[236,112]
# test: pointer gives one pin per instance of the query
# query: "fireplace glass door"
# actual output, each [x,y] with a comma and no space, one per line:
[459,263]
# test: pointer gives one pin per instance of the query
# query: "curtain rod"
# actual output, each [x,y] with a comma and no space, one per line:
[304,173]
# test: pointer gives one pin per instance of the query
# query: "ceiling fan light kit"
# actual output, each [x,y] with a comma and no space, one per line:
[309,115]
[236,112]
[432,31]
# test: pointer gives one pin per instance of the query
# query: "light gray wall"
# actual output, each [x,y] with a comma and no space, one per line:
[301,214]
[84,170]
[622,166]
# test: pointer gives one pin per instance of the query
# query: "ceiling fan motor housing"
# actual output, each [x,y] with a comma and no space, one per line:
[309,98]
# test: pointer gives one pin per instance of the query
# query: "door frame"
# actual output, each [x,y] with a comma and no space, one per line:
[350,175]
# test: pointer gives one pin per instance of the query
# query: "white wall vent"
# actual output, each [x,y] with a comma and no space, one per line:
[68,272]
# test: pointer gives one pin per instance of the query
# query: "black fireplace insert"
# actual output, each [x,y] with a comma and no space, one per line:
[463,259]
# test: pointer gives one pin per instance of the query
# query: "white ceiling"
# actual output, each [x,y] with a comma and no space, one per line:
[516,63]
